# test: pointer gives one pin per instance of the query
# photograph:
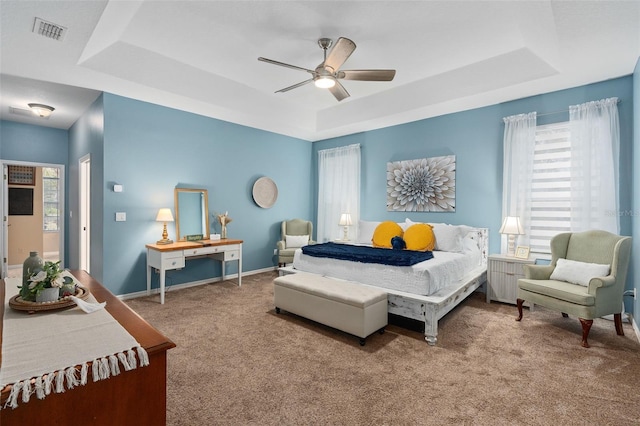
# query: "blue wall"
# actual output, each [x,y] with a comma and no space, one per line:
[475,137]
[86,138]
[150,150]
[36,144]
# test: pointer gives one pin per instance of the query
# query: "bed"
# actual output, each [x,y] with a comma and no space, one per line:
[425,291]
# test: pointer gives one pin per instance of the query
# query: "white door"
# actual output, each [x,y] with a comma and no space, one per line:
[85,213]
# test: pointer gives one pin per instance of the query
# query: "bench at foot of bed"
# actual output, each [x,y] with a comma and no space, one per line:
[350,307]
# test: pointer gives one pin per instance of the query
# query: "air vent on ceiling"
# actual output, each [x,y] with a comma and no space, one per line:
[49,29]
[24,112]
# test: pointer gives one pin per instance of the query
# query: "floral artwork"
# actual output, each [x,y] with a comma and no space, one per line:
[424,185]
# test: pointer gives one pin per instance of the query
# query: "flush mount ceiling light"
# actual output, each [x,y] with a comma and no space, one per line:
[41,110]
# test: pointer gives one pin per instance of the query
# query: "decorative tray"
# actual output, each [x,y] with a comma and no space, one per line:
[18,304]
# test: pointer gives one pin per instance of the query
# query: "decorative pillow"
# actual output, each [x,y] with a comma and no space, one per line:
[448,237]
[397,243]
[365,231]
[296,241]
[578,272]
[385,232]
[420,237]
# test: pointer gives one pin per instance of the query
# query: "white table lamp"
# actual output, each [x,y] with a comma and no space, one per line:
[345,220]
[511,227]
[164,215]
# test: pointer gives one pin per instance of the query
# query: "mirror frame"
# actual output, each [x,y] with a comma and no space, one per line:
[205,211]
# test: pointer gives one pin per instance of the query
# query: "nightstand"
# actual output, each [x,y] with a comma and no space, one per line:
[503,273]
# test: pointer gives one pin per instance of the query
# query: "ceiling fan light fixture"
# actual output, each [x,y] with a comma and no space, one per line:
[41,110]
[325,82]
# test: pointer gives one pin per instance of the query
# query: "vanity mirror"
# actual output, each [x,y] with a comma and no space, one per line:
[192,213]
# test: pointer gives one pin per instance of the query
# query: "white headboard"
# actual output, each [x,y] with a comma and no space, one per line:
[481,236]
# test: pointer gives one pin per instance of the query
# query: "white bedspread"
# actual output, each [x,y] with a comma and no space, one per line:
[424,278]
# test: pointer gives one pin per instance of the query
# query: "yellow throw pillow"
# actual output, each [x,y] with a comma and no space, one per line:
[384,233]
[420,237]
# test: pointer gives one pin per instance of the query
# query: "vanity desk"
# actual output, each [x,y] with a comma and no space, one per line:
[166,257]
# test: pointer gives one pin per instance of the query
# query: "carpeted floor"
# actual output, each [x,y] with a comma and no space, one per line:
[237,362]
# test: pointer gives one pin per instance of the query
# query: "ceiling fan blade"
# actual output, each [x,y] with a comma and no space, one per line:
[339,91]
[367,75]
[339,53]
[295,86]
[282,64]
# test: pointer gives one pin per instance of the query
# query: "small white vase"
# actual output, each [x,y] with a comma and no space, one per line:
[48,295]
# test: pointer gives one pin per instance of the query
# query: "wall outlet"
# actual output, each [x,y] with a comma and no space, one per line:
[121,217]
[635,294]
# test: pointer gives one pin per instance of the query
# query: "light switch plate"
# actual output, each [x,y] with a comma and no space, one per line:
[121,217]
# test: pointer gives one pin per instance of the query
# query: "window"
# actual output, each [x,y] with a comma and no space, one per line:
[562,177]
[550,186]
[50,198]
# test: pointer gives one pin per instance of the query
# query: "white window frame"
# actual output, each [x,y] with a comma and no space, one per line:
[45,202]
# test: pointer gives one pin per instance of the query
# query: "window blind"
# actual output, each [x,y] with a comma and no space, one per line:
[550,191]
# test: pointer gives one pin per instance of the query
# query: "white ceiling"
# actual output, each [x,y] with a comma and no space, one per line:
[201,56]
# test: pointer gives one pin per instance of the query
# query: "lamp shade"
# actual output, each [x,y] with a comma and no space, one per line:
[511,225]
[345,219]
[164,215]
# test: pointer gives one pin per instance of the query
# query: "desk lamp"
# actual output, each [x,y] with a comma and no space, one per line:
[164,215]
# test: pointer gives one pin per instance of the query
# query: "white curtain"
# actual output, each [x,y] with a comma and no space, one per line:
[338,190]
[595,148]
[519,145]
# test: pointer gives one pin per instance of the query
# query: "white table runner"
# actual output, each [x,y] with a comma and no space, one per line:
[50,350]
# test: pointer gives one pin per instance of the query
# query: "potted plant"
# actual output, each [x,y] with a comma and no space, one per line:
[45,284]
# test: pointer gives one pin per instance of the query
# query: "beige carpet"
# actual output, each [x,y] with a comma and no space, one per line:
[238,362]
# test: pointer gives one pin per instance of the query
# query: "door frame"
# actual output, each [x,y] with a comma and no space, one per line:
[84,207]
[4,193]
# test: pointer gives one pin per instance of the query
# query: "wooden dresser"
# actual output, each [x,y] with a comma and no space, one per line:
[136,397]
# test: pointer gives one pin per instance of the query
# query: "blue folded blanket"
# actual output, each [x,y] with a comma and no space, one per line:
[365,254]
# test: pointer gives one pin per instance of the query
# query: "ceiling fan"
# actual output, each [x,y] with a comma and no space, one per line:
[327,74]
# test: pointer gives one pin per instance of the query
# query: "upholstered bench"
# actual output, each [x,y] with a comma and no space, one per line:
[345,305]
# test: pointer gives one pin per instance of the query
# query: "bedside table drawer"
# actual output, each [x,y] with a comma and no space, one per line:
[507,268]
[502,277]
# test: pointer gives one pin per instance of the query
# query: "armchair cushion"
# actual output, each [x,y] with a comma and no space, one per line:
[578,272]
[559,290]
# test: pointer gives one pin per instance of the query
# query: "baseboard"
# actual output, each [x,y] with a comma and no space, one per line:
[192,284]
[634,324]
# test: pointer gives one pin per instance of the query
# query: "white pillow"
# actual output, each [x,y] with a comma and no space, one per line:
[578,272]
[365,231]
[296,241]
[448,237]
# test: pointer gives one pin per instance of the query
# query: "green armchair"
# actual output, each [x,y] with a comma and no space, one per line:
[293,230]
[597,296]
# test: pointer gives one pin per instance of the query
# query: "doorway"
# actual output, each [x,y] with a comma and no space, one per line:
[33,214]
